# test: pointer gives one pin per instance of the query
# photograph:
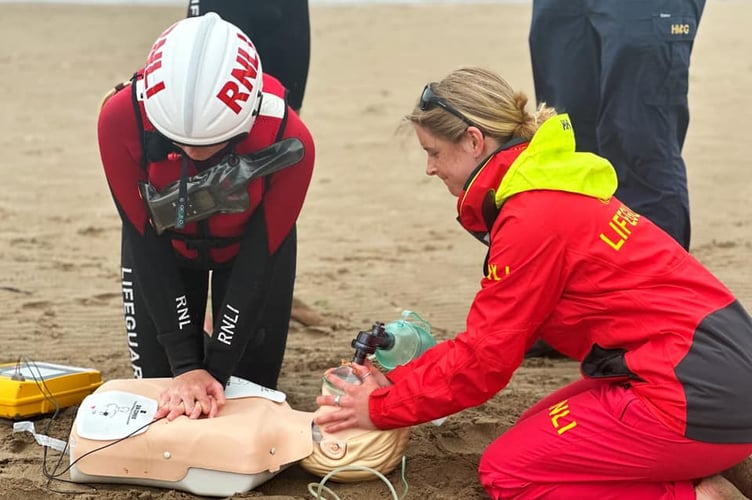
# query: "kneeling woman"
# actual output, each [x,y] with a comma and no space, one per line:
[665,348]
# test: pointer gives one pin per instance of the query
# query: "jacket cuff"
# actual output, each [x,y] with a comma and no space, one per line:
[184,350]
[222,378]
[397,373]
[217,366]
[376,411]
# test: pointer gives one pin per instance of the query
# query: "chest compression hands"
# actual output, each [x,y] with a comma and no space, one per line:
[222,188]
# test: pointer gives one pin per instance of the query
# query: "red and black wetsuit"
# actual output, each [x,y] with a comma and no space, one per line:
[251,255]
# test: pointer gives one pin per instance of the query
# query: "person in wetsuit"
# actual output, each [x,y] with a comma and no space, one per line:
[202,100]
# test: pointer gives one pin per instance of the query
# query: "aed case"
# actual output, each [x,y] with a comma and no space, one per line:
[22,385]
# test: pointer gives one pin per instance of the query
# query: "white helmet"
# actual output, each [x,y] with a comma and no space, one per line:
[202,81]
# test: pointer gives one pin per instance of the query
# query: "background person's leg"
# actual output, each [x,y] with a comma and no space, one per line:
[564,51]
[281,32]
[644,109]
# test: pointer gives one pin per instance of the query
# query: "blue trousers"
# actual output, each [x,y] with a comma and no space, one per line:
[620,68]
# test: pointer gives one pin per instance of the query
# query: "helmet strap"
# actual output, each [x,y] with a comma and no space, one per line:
[259,100]
[182,194]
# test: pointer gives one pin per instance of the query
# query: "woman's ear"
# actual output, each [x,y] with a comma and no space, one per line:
[477,140]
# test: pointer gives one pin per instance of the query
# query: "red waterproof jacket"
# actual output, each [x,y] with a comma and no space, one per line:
[570,264]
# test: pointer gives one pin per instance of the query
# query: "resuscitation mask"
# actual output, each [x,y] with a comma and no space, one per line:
[395,343]
[392,345]
[412,337]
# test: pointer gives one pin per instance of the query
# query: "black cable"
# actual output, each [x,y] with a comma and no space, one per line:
[56,473]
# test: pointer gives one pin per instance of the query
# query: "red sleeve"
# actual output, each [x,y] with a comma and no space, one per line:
[505,314]
[120,151]
[153,259]
[287,189]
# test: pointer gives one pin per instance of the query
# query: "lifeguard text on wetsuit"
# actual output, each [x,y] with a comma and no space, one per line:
[129,310]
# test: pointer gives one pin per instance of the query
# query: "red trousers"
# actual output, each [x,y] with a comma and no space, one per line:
[597,440]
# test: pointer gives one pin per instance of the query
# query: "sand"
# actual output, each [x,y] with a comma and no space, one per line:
[376,235]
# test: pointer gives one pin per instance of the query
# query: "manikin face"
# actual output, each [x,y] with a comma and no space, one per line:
[453,162]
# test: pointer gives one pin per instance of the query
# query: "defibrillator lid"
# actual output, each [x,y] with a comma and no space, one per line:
[33,388]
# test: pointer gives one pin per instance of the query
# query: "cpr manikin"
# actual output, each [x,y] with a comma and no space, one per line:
[255,436]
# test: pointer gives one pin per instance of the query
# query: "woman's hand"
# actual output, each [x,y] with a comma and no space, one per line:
[352,406]
[194,393]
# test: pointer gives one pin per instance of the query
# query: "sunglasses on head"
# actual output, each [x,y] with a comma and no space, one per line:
[429,99]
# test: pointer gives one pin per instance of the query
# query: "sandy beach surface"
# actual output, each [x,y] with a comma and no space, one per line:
[376,235]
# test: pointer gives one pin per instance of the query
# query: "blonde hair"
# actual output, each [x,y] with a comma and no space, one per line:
[487,100]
